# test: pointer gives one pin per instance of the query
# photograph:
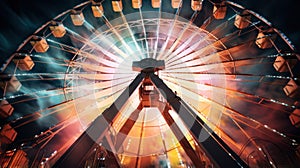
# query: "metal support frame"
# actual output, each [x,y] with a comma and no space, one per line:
[164,109]
[188,149]
[213,146]
[127,127]
[81,148]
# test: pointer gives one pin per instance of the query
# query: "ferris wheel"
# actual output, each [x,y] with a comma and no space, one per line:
[234,75]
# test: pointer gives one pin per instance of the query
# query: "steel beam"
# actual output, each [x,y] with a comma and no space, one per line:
[80,149]
[127,126]
[112,159]
[188,149]
[213,145]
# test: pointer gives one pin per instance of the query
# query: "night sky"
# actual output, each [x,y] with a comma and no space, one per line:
[20,18]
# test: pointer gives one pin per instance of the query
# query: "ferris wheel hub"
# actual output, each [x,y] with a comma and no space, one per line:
[148,65]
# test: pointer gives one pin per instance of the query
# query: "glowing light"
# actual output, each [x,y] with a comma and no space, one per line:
[205,71]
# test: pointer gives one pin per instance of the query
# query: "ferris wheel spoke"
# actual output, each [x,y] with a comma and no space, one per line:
[132,37]
[206,50]
[180,36]
[214,59]
[104,76]
[114,62]
[157,32]
[232,92]
[222,26]
[97,68]
[144,33]
[28,118]
[112,89]
[244,132]
[127,47]
[233,113]
[190,54]
[259,128]
[28,96]
[101,85]
[202,43]
[73,50]
[183,48]
[109,99]
[259,77]
[99,48]
[169,34]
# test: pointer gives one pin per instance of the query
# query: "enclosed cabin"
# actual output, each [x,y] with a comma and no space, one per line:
[97,9]
[58,29]
[7,134]
[155,3]
[117,5]
[77,17]
[23,62]
[196,5]
[10,83]
[136,4]
[295,118]
[148,94]
[39,44]
[219,10]
[176,3]
[6,109]
[285,62]
[242,20]
[292,89]
[265,38]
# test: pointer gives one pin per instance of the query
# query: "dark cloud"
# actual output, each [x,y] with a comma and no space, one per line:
[20,18]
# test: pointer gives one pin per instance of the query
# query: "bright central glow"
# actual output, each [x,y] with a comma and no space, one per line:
[103,70]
